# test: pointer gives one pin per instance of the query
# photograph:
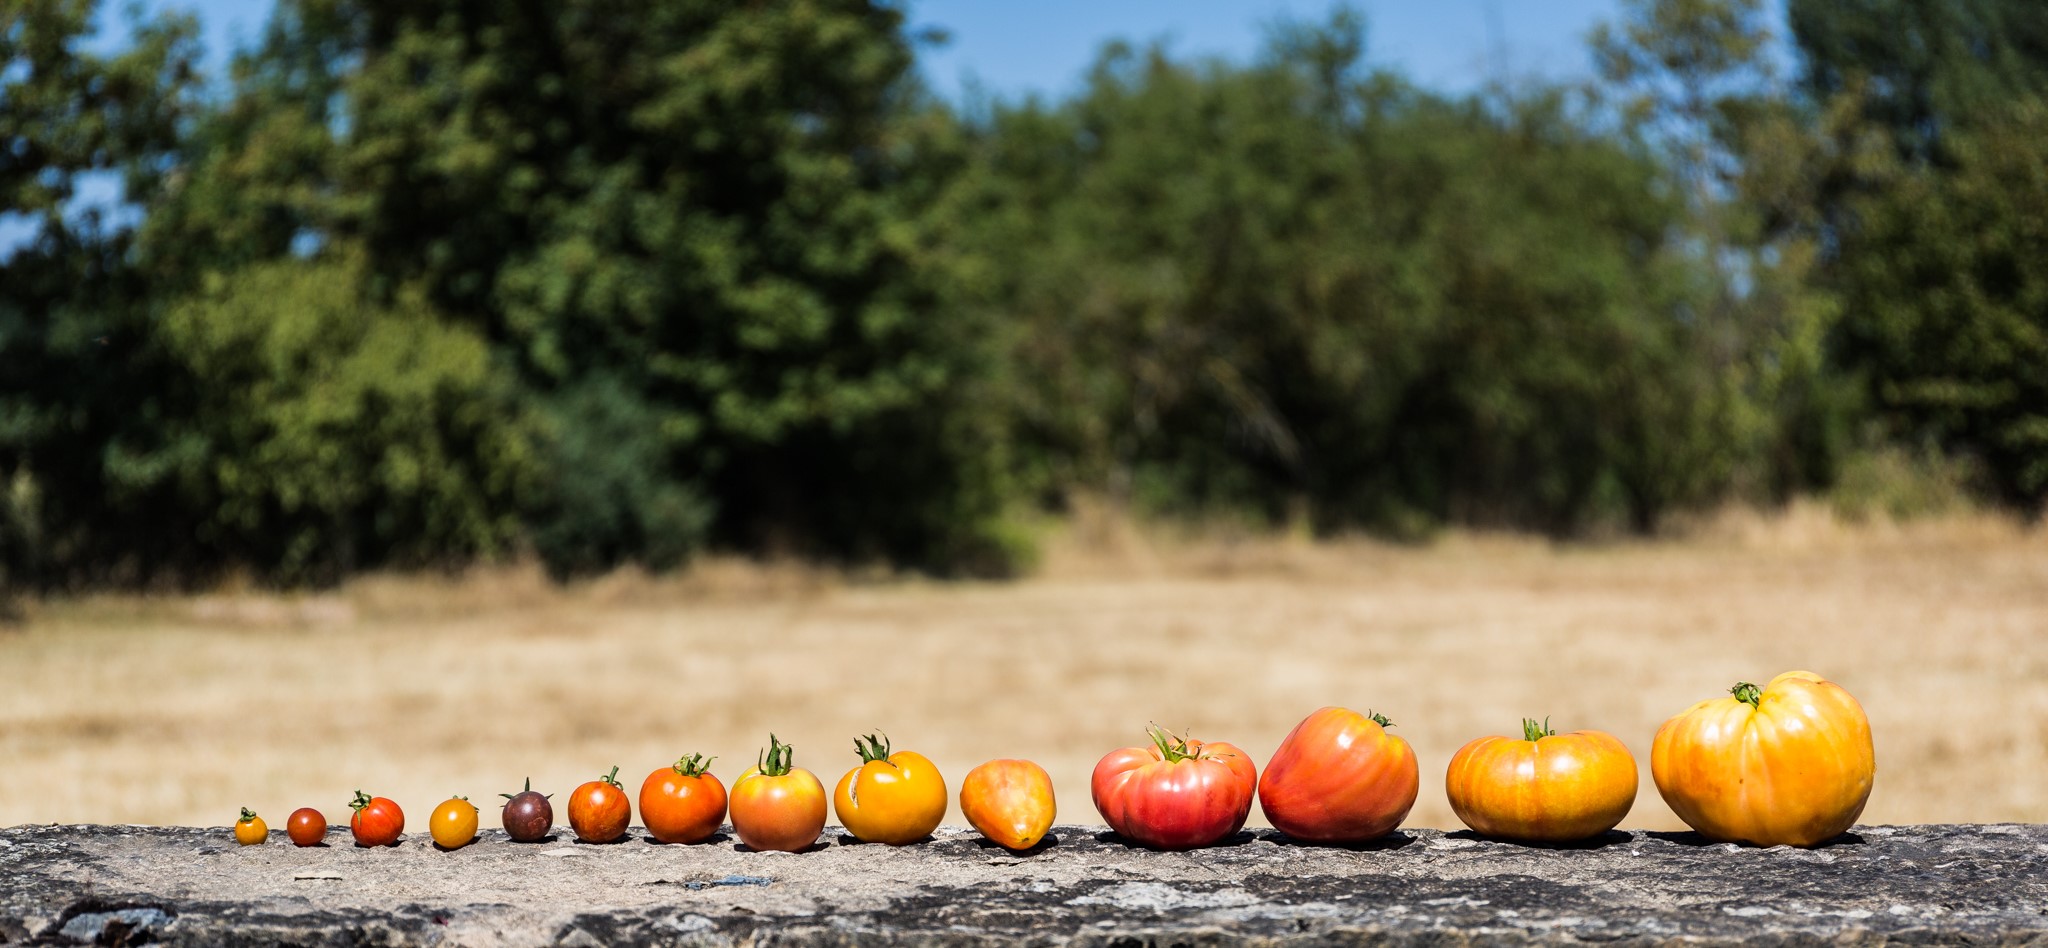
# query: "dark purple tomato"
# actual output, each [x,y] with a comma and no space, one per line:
[528,815]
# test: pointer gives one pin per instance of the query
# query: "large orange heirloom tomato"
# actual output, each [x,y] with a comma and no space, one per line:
[1339,777]
[683,803]
[1547,787]
[890,798]
[1177,793]
[1788,764]
[1009,801]
[776,806]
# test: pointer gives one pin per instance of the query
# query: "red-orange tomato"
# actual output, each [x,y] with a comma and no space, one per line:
[598,810]
[377,822]
[1339,777]
[306,826]
[683,803]
[1009,801]
[1176,793]
[1546,787]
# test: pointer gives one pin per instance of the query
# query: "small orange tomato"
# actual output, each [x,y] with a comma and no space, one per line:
[1339,777]
[683,803]
[598,810]
[250,829]
[890,798]
[307,826]
[453,824]
[1790,763]
[776,806]
[1546,788]
[1009,801]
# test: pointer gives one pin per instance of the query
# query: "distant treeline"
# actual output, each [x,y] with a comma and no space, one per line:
[600,281]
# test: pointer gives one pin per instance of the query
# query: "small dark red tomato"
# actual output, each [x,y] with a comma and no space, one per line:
[378,820]
[306,826]
[528,815]
[599,811]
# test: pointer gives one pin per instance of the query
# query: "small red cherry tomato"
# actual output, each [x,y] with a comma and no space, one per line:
[378,820]
[306,826]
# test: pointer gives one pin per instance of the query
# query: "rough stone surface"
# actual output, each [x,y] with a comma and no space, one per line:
[1985,884]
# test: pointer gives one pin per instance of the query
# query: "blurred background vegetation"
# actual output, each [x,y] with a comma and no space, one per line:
[428,282]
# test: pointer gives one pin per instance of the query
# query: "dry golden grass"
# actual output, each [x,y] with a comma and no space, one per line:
[123,709]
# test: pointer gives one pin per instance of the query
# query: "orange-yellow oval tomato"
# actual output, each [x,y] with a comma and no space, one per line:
[890,798]
[453,824]
[777,806]
[1547,787]
[1339,777]
[1009,801]
[1790,763]
[250,829]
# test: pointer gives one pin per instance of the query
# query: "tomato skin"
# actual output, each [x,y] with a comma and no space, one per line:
[680,806]
[898,799]
[1009,801]
[598,810]
[1339,777]
[1794,768]
[250,829]
[1557,788]
[527,815]
[783,813]
[377,821]
[306,826]
[453,824]
[1183,803]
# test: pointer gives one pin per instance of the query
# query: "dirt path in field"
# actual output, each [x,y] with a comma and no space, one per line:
[179,711]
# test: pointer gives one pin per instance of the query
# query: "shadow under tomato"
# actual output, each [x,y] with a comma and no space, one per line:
[1045,844]
[1691,838]
[549,838]
[1388,843]
[621,838]
[1602,841]
[450,849]
[1239,838]
[814,847]
[706,841]
[848,839]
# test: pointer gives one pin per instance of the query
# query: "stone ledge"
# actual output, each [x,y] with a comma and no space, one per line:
[1981,884]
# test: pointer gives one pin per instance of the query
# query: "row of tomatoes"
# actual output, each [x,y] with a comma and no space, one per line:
[1790,763]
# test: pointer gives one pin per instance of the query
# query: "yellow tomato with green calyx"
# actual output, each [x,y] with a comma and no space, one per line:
[250,829]
[1788,764]
[890,798]
[1546,788]
[453,824]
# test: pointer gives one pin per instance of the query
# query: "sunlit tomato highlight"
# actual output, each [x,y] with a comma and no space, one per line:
[890,798]
[1545,787]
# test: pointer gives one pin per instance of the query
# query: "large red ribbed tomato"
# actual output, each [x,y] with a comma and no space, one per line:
[1177,793]
[1339,777]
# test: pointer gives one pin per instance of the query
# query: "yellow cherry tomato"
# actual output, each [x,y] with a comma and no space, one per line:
[1009,801]
[890,798]
[1547,787]
[453,823]
[1790,763]
[250,829]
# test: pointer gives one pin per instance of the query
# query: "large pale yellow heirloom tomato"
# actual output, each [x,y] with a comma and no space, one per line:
[1790,763]
[890,798]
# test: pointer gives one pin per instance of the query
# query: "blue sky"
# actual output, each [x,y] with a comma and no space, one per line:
[1015,48]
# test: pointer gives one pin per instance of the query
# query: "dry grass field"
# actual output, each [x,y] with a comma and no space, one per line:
[128,709]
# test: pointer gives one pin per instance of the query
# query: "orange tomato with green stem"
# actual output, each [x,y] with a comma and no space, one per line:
[598,810]
[377,821]
[890,798]
[250,828]
[1339,777]
[453,823]
[1790,763]
[1178,793]
[683,803]
[1009,801]
[778,806]
[1546,787]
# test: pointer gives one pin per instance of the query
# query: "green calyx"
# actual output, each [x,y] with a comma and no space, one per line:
[362,800]
[1378,718]
[776,760]
[874,747]
[695,765]
[611,778]
[1173,748]
[529,789]
[1532,731]
[1747,693]
[247,815]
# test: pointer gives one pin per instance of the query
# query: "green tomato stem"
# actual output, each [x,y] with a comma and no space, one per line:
[695,765]
[1532,731]
[874,747]
[776,760]
[611,778]
[247,815]
[1747,694]
[1378,718]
